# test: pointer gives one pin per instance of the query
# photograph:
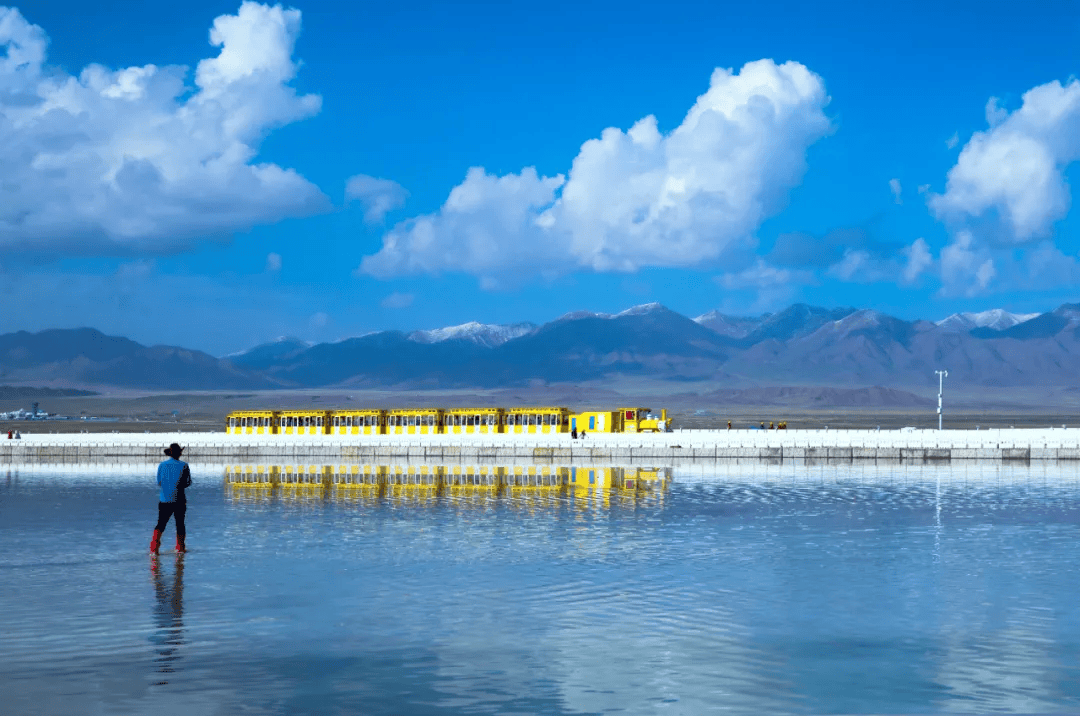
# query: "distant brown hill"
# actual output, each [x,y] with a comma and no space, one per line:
[843,349]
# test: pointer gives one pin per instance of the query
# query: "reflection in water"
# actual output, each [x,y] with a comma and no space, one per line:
[421,485]
[168,615]
[543,588]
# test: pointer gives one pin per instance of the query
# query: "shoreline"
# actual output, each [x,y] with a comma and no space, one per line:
[1022,444]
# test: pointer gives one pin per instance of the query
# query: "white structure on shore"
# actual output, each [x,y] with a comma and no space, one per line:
[905,444]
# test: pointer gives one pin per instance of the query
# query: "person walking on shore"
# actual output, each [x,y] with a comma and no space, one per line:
[173,477]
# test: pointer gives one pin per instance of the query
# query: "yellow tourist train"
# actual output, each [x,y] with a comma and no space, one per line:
[439,421]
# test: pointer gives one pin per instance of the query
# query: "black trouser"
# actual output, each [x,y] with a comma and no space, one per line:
[165,510]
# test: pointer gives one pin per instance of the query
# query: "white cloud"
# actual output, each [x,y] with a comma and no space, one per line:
[952,141]
[136,160]
[273,262]
[856,266]
[631,199]
[398,300]
[763,275]
[770,286]
[965,267]
[894,187]
[378,196]
[918,260]
[487,226]
[1015,169]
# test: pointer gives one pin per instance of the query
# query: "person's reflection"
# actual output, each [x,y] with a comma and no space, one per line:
[168,615]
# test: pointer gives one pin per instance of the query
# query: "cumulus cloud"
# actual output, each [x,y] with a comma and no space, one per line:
[1014,170]
[378,196]
[894,187]
[631,199]
[965,267]
[134,159]
[273,262]
[918,260]
[398,300]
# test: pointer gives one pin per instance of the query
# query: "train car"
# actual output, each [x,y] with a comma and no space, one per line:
[357,422]
[473,421]
[643,420]
[414,421]
[597,421]
[537,420]
[303,422]
[251,422]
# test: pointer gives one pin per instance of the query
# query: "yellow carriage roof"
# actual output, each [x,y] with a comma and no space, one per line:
[304,412]
[249,413]
[406,411]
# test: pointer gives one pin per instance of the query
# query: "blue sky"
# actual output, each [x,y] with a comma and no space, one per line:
[216,175]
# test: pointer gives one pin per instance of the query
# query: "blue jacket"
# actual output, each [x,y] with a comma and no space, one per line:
[172,477]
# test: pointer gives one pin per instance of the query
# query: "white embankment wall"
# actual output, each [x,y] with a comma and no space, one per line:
[1012,444]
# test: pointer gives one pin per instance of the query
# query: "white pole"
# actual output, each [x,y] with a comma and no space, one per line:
[941,374]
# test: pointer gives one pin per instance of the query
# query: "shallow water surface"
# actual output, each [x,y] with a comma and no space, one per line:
[741,588]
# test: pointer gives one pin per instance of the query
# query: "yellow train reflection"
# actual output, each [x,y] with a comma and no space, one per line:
[425,482]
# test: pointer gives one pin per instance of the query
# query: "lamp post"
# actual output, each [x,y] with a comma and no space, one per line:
[941,374]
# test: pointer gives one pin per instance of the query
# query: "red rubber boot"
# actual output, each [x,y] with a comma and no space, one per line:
[180,543]
[155,542]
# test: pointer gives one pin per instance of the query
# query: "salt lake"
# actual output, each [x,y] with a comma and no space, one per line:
[732,587]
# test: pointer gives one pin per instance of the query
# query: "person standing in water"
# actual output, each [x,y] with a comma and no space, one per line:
[173,477]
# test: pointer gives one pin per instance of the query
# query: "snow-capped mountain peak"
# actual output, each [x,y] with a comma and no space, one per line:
[996,319]
[632,311]
[484,334]
[730,326]
[642,309]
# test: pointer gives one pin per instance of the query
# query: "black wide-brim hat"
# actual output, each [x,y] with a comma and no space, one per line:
[174,450]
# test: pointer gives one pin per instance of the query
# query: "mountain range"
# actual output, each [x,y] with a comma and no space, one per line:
[799,346]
